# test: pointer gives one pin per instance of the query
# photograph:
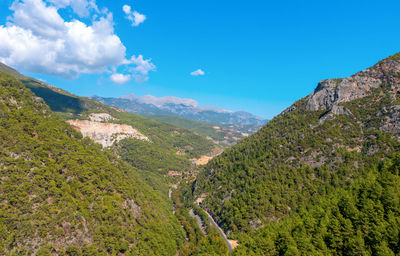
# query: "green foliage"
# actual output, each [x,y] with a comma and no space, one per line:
[198,243]
[361,219]
[171,148]
[304,186]
[395,57]
[160,156]
[64,195]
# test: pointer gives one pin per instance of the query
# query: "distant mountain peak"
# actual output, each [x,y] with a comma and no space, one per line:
[167,101]
[130,96]
[163,101]
[182,107]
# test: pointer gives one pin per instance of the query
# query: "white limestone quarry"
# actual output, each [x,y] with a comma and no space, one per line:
[106,133]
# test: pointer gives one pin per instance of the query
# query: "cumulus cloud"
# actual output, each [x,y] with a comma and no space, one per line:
[120,78]
[35,16]
[127,9]
[37,39]
[142,68]
[80,7]
[198,72]
[135,17]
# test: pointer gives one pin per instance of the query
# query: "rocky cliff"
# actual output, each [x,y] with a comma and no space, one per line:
[331,92]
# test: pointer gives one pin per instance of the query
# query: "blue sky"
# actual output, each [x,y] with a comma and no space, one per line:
[257,56]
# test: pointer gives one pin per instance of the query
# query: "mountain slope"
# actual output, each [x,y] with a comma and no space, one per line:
[320,178]
[61,194]
[168,148]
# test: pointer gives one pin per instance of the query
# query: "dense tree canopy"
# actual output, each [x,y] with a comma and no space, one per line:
[313,182]
[63,194]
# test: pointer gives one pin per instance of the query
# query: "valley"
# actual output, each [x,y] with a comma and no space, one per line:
[187,128]
[158,154]
[316,170]
[281,190]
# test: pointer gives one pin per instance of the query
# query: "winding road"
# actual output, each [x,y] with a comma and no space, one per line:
[221,232]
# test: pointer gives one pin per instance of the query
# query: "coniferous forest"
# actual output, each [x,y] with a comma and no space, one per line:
[187,128]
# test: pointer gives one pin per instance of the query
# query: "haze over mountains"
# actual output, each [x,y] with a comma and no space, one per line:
[187,108]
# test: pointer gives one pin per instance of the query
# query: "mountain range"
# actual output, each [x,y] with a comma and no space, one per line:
[188,108]
[321,178]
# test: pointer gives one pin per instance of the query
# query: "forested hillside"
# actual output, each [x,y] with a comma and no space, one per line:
[170,147]
[319,179]
[61,194]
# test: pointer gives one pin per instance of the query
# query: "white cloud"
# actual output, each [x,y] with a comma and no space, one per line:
[80,7]
[138,18]
[35,16]
[135,17]
[142,68]
[198,72]
[38,40]
[120,78]
[127,9]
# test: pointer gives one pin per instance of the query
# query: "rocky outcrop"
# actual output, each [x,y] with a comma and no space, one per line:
[106,133]
[340,110]
[101,117]
[392,120]
[133,207]
[332,92]
[335,110]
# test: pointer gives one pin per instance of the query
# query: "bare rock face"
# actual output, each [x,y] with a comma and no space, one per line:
[106,133]
[340,110]
[101,117]
[133,207]
[331,92]
[392,122]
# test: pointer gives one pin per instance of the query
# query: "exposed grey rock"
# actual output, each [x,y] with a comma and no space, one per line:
[329,116]
[331,92]
[392,122]
[340,110]
[101,117]
[133,207]
[256,224]
[372,150]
